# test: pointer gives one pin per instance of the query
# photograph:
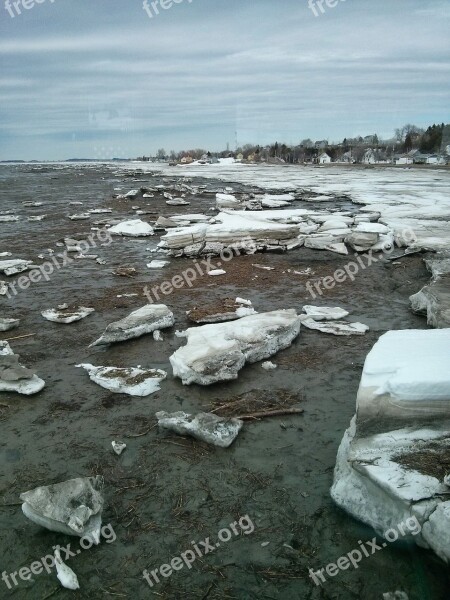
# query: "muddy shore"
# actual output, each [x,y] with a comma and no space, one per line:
[164,491]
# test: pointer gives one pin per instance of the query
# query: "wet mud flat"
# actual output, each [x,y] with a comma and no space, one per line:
[166,491]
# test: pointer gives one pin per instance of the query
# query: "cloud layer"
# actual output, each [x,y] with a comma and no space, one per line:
[83,78]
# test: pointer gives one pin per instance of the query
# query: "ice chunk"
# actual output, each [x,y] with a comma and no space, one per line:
[133,228]
[325,313]
[218,352]
[118,447]
[73,507]
[131,381]
[66,316]
[14,377]
[7,324]
[158,264]
[334,327]
[139,322]
[206,427]
[65,574]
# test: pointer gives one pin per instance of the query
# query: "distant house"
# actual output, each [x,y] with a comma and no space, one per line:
[374,157]
[321,144]
[324,159]
[435,159]
[369,139]
[240,156]
[186,160]
[404,160]
[347,158]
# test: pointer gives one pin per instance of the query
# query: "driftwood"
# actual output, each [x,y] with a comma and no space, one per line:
[271,413]
[19,337]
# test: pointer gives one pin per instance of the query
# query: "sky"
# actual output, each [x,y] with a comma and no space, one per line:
[106,78]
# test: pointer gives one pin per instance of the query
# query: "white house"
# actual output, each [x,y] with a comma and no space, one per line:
[324,159]
[347,158]
[404,160]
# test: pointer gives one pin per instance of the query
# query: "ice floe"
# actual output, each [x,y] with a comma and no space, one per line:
[206,427]
[14,377]
[66,316]
[7,324]
[133,228]
[325,313]
[218,352]
[158,264]
[73,507]
[14,266]
[433,300]
[335,327]
[139,322]
[133,381]
[118,447]
[388,464]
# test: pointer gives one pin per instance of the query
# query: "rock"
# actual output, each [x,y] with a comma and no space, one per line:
[73,507]
[14,377]
[131,381]
[206,427]
[388,469]
[395,596]
[7,324]
[133,228]
[324,313]
[62,315]
[433,300]
[144,320]
[66,576]
[218,352]
[334,327]
[118,447]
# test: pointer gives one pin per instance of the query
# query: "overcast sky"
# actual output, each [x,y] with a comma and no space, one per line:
[100,78]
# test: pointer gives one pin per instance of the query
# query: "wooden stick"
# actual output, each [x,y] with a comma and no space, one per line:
[19,337]
[271,413]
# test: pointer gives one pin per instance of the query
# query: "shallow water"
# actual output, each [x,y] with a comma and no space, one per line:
[164,492]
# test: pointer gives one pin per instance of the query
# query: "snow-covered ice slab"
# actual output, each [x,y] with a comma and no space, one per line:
[218,352]
[73,507]
[325,313]
[206,427]
[144,320]
[65,315]
[406,376]
[131,381]
[433,300]
[388,467]
[334,327]
[132,228]
[14,377]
